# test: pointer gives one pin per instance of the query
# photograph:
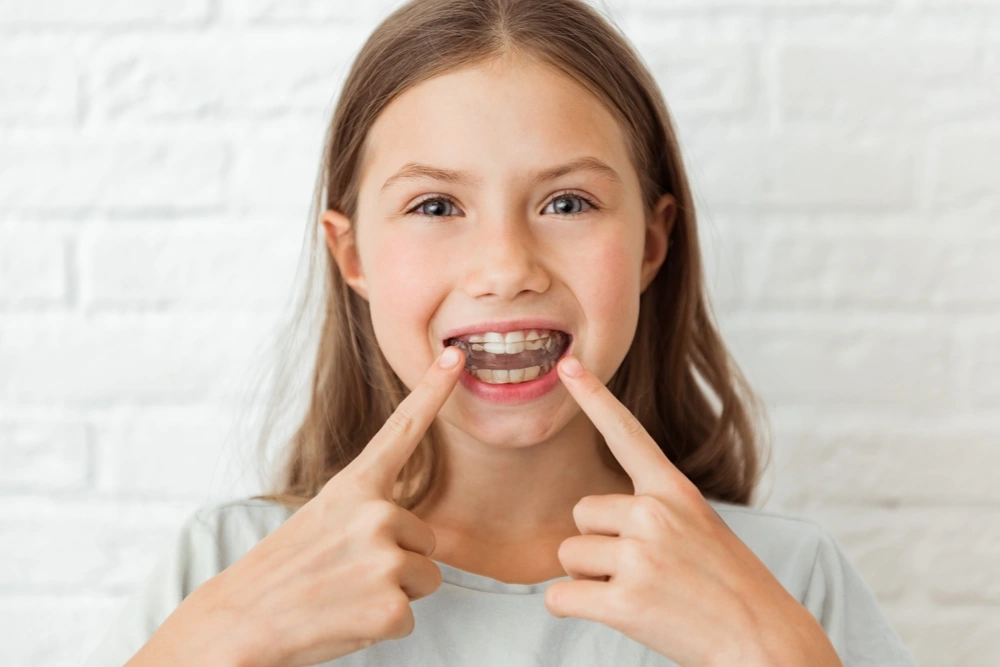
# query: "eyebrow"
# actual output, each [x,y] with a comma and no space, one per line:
[414,170]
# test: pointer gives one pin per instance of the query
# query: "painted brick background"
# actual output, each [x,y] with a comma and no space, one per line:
[156,163]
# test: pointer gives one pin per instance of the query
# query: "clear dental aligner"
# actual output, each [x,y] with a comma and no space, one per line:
[494,359]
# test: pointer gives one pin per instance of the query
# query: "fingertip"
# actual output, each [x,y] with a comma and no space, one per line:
[570,366]
[450,357]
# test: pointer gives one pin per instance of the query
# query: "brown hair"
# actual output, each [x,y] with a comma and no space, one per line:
[677,356]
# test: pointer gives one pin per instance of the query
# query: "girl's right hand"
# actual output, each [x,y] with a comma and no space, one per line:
[340,573]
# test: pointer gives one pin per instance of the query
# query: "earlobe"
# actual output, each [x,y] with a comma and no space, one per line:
[340,240]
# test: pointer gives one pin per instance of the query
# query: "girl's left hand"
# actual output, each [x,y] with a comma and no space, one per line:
[664,569]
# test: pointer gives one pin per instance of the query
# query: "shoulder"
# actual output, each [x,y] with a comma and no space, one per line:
[791,546]
[231,527]
[770,526]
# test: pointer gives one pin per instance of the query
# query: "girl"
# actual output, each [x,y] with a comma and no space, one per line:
[501,183]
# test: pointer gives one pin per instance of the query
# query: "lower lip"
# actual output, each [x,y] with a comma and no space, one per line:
[522,392]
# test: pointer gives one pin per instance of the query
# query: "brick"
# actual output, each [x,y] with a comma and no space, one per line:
[951,4]
[170,452]
[961,567]
[877,544]
[206,267]
[15,13]
[722,265]
[963,168]
[204,77]
[33,268]
[142,357]
[704,78]
[877,80]
[799,170]
[284,11]
[948,635]
[978,358]
[824,170]
[939,554]
[54,629]
[83,545]
[277,172]
[43,454]
[871,363]
[112,175]
[727,173]
[654,7]
[38,87]
[807,268]
[836,459]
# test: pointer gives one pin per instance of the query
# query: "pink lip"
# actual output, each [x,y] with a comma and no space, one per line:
[509,394]
[503,326]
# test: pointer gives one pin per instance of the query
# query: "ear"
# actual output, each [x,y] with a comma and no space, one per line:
[340,240]
[658,228]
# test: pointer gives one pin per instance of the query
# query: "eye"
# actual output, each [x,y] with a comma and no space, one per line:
[569,196]
[562,196]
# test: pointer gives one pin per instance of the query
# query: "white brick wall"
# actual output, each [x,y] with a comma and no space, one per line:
[156,163]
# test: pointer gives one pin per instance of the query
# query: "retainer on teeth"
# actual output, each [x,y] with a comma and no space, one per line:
[514,376]
[556,340]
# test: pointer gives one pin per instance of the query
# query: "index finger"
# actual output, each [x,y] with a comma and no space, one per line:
[630,443]
[388,451]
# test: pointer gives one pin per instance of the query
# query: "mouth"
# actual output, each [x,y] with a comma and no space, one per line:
[497,360]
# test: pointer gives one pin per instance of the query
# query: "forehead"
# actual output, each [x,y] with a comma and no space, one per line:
[494,121]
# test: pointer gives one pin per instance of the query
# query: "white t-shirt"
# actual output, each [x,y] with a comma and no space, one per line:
[476,620]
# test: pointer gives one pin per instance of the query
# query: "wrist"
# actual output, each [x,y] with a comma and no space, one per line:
[795,638]
[229,640]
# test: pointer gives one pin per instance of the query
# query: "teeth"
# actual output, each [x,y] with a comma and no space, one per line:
[504,348]
[509,337]
[513,376]
[515,347]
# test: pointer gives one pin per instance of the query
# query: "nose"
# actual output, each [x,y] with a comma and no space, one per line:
[505,260]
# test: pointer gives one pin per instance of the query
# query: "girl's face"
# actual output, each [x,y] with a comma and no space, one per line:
[435,255]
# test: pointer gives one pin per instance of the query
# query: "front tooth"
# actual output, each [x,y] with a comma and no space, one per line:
[501,375]
[484,374]
[531,372]
[516,374]
[513,342]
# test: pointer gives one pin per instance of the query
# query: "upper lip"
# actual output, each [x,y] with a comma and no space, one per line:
[503,326]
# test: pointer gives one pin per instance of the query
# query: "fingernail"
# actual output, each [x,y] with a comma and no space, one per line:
[450,357]
[571,366]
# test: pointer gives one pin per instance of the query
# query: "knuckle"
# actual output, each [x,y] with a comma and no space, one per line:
[401,422]
[375,518]
[630,553]
[648,509]
[394,563]
[628,423]
[396,617]
[623,608]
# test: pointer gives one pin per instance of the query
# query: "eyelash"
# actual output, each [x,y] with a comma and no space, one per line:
[561,195]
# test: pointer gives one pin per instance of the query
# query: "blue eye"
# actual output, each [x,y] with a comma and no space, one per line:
[444,199]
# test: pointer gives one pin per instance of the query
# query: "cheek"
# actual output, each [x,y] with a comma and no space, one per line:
[404,290]
[607,281]
[607,287]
